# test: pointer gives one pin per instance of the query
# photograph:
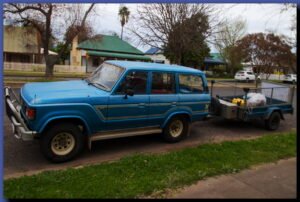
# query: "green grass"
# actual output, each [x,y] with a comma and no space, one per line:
[56,74]
[141,175]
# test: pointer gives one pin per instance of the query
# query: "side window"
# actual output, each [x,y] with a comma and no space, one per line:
[163,83]
[190,84]
[136,80]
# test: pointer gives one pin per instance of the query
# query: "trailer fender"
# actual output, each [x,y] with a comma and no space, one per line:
[274,109]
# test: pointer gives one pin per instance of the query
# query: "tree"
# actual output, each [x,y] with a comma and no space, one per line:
[226,40]
[44,17]
[65,55]
[186,43]
[124,17]
[168,26]
[265,52]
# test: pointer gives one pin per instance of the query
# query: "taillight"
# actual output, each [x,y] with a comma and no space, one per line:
[30,113]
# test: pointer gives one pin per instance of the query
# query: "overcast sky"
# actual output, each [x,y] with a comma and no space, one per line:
[259,18]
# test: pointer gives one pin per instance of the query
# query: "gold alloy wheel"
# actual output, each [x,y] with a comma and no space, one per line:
[62,144]
[176,128]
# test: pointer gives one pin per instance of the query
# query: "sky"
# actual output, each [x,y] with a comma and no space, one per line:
[259,18]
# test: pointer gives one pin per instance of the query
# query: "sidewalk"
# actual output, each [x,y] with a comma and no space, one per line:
[276,180]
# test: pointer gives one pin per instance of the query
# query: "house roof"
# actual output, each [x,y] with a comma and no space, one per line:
[49,51]
[152,66]
[118,55]
[214,58]
[108,43]
[152,50]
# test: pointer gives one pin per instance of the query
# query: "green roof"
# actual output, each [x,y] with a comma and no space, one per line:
[109,44]
[118,55]
[215,55]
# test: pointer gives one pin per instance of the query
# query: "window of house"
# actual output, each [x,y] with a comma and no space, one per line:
[190,84]
[163,83]
[136,80]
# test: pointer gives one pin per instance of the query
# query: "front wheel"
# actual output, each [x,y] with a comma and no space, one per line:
[62,142]
[176,129]
[273,122]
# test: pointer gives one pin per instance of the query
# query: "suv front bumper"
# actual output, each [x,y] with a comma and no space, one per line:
[13,111]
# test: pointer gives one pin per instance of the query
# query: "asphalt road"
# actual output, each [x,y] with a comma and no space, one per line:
[25,157]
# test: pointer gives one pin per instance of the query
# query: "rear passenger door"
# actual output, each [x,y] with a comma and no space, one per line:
[163,97]
[192,94]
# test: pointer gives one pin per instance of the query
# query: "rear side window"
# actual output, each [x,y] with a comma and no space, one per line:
[163,83]
[190,84]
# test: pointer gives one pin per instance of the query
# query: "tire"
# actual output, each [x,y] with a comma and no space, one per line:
[273,122]
[62,142]
[171,134]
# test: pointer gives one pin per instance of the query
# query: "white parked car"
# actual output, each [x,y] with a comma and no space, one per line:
[245,76]
[291,78]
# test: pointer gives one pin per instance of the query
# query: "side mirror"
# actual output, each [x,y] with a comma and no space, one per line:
[129,92]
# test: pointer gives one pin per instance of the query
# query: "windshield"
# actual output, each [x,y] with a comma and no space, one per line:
[105,76]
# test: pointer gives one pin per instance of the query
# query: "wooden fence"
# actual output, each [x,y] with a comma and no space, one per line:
[41,67]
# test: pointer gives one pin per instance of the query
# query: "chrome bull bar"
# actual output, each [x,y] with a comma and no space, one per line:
[13,111]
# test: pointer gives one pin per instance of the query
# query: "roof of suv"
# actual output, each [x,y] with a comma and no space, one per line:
[152,66]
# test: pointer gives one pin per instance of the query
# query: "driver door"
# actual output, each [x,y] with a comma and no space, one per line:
[126,111]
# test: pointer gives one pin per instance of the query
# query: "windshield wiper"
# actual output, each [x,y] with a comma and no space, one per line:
[97,84]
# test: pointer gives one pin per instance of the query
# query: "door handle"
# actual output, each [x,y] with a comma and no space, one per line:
[174,104]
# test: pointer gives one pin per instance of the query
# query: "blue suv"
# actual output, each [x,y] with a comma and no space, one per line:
[120,99]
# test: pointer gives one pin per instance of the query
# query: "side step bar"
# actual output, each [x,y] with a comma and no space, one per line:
[122,133]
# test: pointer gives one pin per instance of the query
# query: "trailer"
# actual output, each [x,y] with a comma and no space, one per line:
[279,101]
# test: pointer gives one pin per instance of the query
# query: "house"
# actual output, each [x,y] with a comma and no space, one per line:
[214,59]
[23,45]
[92,52]
[156,55]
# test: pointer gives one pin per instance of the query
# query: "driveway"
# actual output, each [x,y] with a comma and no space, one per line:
[25,157]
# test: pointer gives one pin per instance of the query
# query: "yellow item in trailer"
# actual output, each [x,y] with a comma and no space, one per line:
[238,101]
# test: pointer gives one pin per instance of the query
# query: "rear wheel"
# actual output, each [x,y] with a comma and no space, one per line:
[273,122]
[62,142]
[176,129]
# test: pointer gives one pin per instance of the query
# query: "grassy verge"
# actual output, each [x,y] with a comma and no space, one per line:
[141,175]
[41,74]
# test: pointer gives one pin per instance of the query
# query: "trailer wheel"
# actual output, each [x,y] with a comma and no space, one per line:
[272,123]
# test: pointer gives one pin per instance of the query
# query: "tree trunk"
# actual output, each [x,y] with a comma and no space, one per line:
[50,62]
[122,33]
[49,70]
